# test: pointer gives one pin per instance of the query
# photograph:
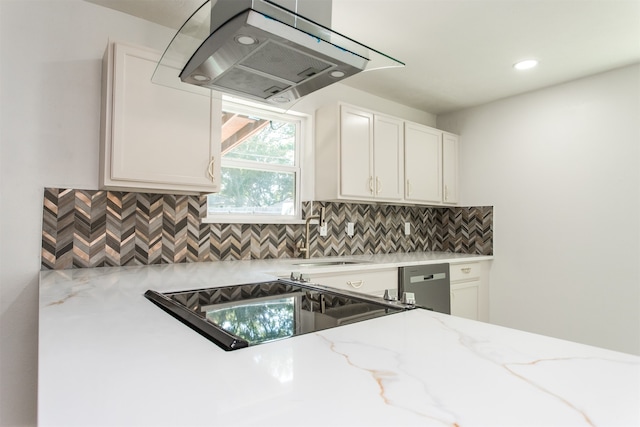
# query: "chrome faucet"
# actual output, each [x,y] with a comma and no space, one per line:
[321,220]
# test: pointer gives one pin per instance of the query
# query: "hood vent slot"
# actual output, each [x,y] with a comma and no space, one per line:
[282,61]
[270,69]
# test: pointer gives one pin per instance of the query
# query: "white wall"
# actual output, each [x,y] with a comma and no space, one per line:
[51,53]
[49,129]
[560,165]
[340,92]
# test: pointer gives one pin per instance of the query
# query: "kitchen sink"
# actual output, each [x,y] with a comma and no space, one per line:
[321,263]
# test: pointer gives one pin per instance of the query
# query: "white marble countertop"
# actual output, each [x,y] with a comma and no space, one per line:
[109,357]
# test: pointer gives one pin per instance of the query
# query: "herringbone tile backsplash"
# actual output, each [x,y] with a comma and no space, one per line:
[98,228]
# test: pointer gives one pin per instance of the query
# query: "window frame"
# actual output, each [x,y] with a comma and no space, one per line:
[301,122]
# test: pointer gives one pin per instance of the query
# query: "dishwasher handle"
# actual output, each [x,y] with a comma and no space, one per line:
[422,278]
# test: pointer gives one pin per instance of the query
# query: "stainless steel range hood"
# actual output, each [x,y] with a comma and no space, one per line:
[258,50]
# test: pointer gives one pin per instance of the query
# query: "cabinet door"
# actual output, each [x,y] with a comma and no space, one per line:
[464,300]
[423,163]
[388,154]
[159,137]
[449,168]
[356,153]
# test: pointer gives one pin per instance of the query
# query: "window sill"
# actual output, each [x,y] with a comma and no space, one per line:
[250,220]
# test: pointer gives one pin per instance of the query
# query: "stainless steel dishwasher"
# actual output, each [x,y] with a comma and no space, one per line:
[430,285]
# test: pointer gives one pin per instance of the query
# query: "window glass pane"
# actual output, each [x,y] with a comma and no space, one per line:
[250,191]
[255,139]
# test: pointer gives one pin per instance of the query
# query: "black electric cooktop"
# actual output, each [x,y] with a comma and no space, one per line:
[239,316]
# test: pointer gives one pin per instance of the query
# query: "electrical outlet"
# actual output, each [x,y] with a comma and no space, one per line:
[350,231]
[323,230]
[407,228]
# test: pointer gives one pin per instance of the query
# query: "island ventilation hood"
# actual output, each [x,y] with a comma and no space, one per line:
[258,50]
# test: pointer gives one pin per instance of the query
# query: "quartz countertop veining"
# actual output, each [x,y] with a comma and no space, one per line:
[109,357]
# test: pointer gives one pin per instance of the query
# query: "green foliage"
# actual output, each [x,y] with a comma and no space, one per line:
[255,188]
[274,144]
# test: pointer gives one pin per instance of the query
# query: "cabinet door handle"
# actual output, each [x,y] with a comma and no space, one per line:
[466,270]
[446,193]
[355,283]
[211,169]
[378,185]
[408,188]
[371,185]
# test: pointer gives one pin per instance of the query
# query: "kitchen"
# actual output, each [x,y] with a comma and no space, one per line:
[572,172]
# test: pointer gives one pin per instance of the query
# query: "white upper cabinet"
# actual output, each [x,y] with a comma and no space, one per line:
[449,168]
[156,137]
[358,155]
[431,165]
[423,165]
[388,143]
[365,156]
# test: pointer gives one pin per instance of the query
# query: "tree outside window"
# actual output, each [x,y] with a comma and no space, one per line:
[260,166]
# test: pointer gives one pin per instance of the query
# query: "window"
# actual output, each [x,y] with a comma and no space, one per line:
[260,175]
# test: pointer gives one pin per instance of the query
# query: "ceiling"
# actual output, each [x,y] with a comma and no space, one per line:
[459,53]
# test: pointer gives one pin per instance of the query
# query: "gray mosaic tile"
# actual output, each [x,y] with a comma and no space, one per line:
[86,228]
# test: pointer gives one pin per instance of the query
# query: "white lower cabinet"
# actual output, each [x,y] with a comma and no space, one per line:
[156,137]
[464,299]
[372,282]
[469,286]
[470,290]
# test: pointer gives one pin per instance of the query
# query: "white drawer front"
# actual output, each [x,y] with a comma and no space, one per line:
[368,282]
[462,272]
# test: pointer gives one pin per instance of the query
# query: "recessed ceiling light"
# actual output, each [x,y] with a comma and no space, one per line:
[246,40]
[526,64]
[200,78]
[280,99]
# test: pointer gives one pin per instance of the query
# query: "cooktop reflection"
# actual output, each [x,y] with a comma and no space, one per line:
[238,316]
